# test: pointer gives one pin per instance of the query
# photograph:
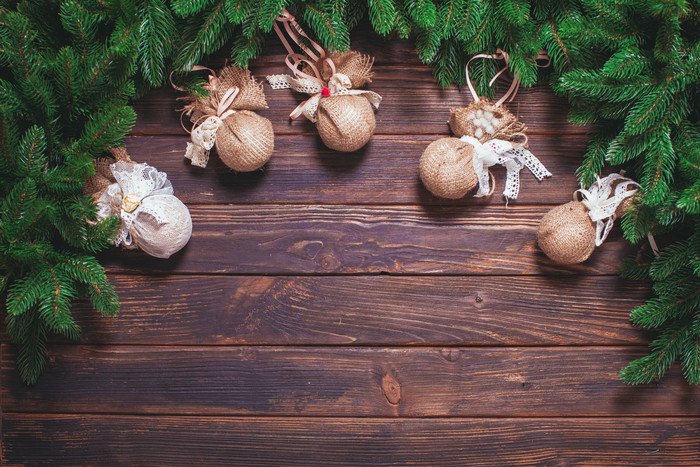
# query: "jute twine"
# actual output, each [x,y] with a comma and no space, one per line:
[508,129]
[346,123]
[566,233]
[245,140]
[98,183]
[446,168]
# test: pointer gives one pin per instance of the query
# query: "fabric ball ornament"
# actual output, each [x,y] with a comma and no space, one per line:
[446,168]
[345,123]
[566,233]
[569,233]
[487,134]
[152,218]
[244,140]
[343,113]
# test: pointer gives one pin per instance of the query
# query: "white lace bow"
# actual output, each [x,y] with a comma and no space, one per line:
[142,189]
[513,158]
[601,205]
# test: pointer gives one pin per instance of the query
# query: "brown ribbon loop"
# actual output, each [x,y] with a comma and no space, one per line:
[514,85]
[223,104]
[314,59]
[289,21]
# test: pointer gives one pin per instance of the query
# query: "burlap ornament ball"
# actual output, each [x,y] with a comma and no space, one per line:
[345,123]
[566,234]
[245,141]
[446,168]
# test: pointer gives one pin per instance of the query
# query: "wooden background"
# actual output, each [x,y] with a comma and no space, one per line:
[329,310]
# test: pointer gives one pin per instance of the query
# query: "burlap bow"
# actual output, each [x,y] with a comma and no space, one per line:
[317,74]
[339,84]
[511,157]
[601,205]
[233,89]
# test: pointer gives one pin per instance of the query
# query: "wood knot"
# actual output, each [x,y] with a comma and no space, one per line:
[391,389]
[451,355]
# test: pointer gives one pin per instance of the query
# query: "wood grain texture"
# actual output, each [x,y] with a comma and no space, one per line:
[322,239]
[118,440]
[346,381]
[383,310]
[302,170]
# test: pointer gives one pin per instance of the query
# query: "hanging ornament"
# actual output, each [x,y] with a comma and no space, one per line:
[487,134]
[152,218]
[343,114]
[244,140]
[569,233]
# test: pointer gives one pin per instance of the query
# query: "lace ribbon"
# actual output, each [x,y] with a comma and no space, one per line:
[204,129]
[504,153]
[337,85]
[135,183]
[601,205]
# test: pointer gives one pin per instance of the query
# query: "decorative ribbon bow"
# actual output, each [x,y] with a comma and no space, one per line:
[204,129]
[504,153]
[338,84]
[135,183]
[601,205]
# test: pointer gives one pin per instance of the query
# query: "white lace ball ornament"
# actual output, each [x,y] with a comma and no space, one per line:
[163,237]
[152,218]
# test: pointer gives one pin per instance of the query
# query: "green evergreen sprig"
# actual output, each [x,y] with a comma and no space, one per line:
[65,86]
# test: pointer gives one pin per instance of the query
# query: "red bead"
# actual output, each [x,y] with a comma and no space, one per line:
[325,92]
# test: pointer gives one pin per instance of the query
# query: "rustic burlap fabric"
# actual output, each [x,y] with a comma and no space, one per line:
[354,65]
[566,233]
[250,95]
[245,140]
[508,127]
[446,168]
[346,123]
[96,184]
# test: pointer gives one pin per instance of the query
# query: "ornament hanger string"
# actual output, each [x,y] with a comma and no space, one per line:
[315,53]
[514,85]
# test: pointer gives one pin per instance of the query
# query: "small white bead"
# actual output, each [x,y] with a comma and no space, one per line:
[489,129]
[479,113]
[488,115]
[479,133]
[495,123]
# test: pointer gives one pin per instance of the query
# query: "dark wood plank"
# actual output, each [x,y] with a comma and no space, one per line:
[302,170]
[412,103]
[384,310]
[89,440]
[346,381]
[299,239]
